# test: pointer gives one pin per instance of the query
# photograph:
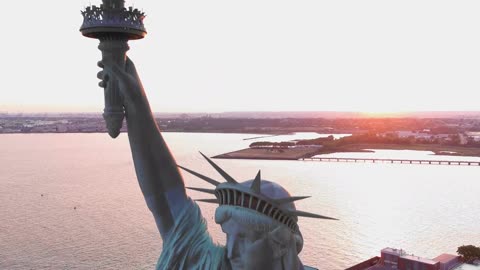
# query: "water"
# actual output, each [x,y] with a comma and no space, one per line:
[425,209]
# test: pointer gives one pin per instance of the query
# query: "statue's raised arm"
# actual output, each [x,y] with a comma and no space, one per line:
[157,173]
[258,216]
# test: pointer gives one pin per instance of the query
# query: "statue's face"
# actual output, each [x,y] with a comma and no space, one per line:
[247,248]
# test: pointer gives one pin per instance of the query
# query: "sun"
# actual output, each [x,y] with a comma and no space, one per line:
[381,113]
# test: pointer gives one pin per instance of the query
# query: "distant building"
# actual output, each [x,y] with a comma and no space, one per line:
[408,262]
[447,261]
[398,259]
[424,135]
[416,135]
[390,256]
[62,128]
[474,135]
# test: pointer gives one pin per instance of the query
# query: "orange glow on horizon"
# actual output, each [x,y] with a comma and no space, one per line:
[382,113]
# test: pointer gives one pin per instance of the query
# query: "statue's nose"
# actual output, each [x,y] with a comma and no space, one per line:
[232,247]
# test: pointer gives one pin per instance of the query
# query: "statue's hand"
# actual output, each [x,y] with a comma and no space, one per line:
[129,82]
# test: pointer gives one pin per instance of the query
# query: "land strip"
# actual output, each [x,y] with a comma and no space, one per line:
[271,153]
[308,152]
[91,123]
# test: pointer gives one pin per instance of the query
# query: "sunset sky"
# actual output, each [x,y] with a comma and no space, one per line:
[253,55]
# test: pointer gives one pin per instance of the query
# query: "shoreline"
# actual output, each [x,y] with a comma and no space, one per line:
[437,149]
[270,153]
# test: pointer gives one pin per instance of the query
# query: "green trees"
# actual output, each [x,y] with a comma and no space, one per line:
[469,253]
[271,144]
[317,141]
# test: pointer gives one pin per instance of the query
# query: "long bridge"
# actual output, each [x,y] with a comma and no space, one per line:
[397,161]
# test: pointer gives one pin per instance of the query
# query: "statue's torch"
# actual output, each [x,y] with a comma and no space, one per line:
[114,26]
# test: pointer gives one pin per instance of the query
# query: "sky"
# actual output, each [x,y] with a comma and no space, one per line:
[253,55]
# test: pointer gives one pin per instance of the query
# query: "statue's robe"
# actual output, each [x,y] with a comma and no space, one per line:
[189,245]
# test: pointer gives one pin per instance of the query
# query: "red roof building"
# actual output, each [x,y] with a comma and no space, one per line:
[447,261]
[398,259]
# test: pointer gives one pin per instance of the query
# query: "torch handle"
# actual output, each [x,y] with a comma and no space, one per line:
[113,50]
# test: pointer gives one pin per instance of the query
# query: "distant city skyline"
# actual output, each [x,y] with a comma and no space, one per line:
[216,56]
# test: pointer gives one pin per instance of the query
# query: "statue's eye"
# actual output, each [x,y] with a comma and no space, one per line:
[253,236]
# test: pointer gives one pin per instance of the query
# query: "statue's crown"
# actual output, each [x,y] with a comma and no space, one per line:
[262,196]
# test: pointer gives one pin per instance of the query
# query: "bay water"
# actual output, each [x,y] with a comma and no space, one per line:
[71,201]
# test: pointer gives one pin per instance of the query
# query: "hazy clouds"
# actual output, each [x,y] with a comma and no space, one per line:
[254,55]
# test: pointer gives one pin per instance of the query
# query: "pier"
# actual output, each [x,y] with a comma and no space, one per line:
[393,161]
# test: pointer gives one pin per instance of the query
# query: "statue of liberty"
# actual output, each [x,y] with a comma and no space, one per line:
[258,216]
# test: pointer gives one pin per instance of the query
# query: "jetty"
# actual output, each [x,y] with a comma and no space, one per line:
[397,161]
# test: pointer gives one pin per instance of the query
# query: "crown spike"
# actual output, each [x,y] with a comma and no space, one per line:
[256,183]
[311,215]
[220,171]
[215,201]
[290,199]
[203,177]
[209,191]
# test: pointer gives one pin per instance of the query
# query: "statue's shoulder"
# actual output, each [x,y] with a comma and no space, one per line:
[189,245]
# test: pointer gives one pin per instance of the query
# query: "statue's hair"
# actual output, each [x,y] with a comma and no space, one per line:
[262,224]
